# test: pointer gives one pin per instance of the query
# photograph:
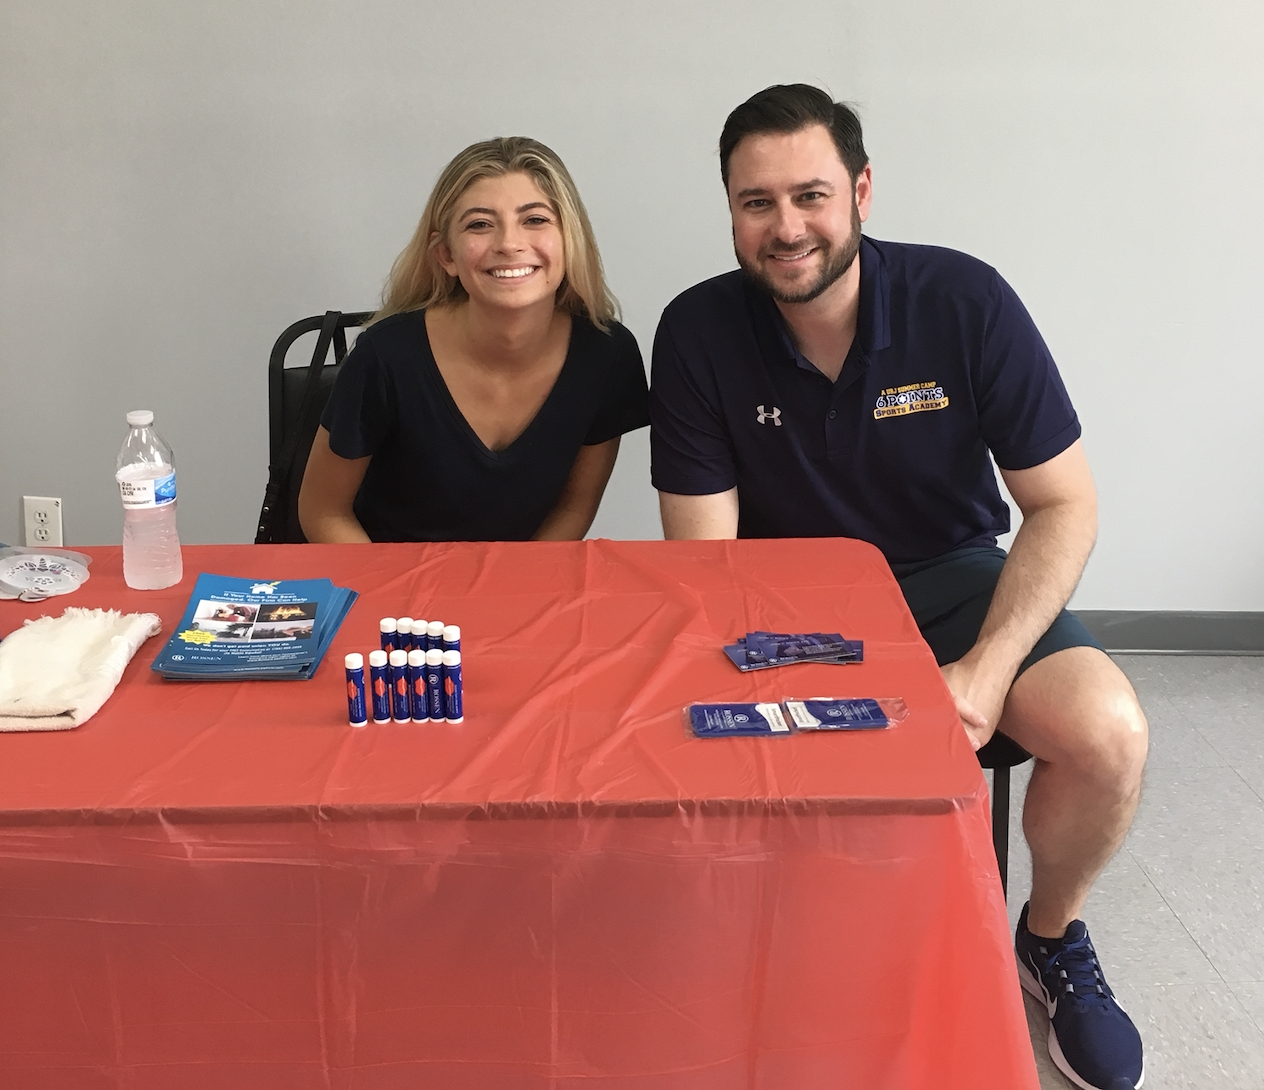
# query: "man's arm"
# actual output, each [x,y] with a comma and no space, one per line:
[576,507]
[697,518]
[1059,505]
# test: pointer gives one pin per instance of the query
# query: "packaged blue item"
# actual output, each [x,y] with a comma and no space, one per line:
[751,651]
[728,720]
[823,713]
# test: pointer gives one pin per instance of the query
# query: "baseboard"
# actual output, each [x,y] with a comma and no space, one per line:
[1164,632]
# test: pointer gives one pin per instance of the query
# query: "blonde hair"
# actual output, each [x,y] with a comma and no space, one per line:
[418,281]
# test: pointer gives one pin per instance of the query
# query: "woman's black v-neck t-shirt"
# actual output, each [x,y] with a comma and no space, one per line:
[431,477]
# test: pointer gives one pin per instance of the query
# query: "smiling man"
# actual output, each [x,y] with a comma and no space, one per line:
[841,386]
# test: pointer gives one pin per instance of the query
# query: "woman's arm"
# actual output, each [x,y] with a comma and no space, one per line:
[330,484]
[577,506]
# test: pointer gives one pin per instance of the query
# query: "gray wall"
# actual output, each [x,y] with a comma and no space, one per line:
[179,181]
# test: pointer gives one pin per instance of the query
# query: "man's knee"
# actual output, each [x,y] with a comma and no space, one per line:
[1077,708]
[1123,740]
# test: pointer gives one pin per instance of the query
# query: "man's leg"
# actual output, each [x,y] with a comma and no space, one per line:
[1077,714]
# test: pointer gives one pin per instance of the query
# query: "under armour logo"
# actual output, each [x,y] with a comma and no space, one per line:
[774,415]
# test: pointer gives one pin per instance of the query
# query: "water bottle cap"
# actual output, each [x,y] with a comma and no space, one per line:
[451,633]
[140,418]
[399,658]
[416,658]
[377,658]
[354,662]
[452,658]
[434,657]
[435,629]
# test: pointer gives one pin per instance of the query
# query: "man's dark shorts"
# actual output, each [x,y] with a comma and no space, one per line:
[949,597]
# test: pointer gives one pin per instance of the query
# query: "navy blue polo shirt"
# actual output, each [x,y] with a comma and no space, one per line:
[946,366]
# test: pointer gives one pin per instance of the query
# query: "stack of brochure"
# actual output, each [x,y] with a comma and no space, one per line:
[764,650]
[245,628]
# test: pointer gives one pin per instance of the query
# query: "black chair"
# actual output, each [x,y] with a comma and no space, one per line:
[1000,755]
[296,398]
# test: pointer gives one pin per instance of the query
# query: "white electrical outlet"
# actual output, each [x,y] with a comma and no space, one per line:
[42,517]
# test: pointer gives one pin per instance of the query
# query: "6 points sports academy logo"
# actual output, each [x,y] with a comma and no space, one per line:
[918,397]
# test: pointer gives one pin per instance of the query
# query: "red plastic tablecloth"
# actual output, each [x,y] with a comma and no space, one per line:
[223,885]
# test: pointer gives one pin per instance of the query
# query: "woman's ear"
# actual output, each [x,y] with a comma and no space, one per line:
[443,253]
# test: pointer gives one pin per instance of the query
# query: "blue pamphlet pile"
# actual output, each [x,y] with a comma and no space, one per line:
[244,628]
[764,650]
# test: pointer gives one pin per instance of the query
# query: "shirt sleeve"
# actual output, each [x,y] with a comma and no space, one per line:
[1025,412]
[626,404]
[358,413]
[691,453]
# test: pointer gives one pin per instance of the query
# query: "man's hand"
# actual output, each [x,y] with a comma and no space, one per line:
[979,695]
[1059,506]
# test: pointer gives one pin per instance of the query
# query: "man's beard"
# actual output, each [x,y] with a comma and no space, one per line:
[833,266]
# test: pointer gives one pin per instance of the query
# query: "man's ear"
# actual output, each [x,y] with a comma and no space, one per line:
[864,192]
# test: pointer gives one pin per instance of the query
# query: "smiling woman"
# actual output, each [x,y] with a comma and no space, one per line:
[486,400]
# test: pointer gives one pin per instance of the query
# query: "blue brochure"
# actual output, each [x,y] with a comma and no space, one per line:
[765,650]
[822,714]
[248,628]
[727,720]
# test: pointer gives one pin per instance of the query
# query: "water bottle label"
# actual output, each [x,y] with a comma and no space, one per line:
[148,493]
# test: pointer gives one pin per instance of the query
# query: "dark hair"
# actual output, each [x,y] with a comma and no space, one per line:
[791,107]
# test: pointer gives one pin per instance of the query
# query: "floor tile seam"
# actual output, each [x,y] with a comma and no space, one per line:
[1249,785]
[1177,917]
[1185,718]
[1256,1022]
[1186,722]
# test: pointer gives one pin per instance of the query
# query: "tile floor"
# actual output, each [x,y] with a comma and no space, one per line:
[1178,915]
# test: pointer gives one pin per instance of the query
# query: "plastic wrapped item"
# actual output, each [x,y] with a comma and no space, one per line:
[729,720]
[845,713]
[35,574]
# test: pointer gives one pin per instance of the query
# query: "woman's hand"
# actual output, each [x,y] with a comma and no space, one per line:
[577,505]
[330,484]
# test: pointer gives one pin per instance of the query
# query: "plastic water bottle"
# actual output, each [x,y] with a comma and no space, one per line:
[146,475]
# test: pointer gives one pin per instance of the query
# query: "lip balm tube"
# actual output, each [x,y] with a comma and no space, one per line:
[406,640]
[356,715]
[434,636]
[380,687]
[417,685]
[401,708]
[452,637]
[390,641]
[434,684]
[452,702]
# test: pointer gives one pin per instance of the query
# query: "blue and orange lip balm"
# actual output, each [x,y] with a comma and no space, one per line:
[356,714]
[417,685]
[388,627]
[401,704]
[453,703]
[379,687]
[434,685]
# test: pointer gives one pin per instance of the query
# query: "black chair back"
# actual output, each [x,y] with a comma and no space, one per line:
[296,399]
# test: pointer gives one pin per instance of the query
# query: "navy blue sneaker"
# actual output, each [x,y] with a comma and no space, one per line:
[1091,1040]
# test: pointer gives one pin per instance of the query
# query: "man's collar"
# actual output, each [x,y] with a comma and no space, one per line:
[873,320]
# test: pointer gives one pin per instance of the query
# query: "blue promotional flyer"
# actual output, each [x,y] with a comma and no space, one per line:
[245,628]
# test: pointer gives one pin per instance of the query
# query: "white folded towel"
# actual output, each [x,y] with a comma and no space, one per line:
[56,672]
